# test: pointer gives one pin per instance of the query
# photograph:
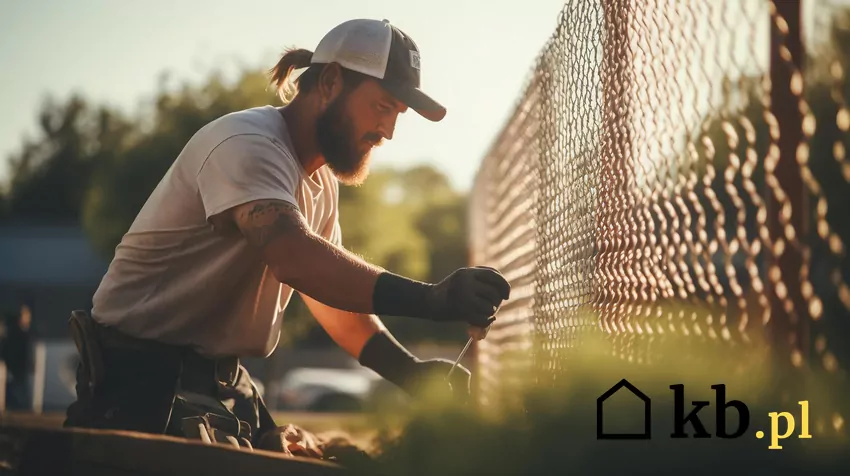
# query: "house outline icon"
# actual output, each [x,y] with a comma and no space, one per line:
[647,414]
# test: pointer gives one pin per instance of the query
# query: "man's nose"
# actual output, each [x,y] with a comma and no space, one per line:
[387,127]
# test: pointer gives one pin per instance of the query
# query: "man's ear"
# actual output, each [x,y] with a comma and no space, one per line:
[330,83]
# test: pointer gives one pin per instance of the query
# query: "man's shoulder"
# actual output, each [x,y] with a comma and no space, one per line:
[254,124]
[251,133]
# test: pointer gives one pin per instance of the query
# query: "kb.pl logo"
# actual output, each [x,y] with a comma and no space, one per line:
[681,419]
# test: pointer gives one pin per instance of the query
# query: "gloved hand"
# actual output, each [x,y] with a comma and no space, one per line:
[471,295]
[428,378]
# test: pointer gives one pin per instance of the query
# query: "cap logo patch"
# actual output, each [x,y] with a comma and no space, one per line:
[414,59]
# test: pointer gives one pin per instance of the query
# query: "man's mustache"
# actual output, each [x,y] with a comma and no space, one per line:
[376,139]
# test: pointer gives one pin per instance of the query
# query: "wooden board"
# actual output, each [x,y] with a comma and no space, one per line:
[62,451]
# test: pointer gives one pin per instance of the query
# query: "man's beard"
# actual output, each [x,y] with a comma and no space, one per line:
[339,145]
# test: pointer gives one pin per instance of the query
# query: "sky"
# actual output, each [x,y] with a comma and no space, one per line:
[476,56]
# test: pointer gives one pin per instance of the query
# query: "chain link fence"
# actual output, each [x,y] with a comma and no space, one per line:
[673,170]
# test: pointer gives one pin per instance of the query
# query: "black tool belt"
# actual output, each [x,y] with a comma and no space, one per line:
[196,398]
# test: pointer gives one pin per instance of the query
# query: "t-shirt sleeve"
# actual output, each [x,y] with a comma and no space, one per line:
[244,168]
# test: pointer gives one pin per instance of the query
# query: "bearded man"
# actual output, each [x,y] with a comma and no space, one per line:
[246,215]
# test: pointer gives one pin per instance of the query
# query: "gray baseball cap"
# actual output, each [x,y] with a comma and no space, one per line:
[380,50]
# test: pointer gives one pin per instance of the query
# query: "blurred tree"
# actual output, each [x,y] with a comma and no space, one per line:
[119,188]
[50,176]
[440,217]
[381,230]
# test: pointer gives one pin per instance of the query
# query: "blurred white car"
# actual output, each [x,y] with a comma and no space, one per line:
[326,390]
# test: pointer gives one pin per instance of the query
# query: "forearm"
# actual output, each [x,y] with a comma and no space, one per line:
[322,271]
[388,358]
[364,337]
[348,330]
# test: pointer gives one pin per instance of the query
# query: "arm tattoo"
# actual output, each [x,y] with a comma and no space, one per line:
[264,221]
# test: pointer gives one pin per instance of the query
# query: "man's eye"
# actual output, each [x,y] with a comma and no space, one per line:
[383,107]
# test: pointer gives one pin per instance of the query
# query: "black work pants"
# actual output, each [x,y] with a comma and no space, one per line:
[140,392]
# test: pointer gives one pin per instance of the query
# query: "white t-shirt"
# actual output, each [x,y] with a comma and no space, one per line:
[177,280]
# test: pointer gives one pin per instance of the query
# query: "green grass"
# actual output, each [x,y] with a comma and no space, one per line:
[551,429]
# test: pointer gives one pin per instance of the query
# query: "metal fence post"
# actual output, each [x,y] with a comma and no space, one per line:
[788,327]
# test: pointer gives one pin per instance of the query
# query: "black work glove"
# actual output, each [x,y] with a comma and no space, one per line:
[417,377]
[428,378]
[471,295]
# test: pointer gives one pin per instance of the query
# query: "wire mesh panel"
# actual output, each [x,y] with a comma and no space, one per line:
[502,212]
[674,170]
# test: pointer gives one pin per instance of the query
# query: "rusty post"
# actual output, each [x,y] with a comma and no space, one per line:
[788,330]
